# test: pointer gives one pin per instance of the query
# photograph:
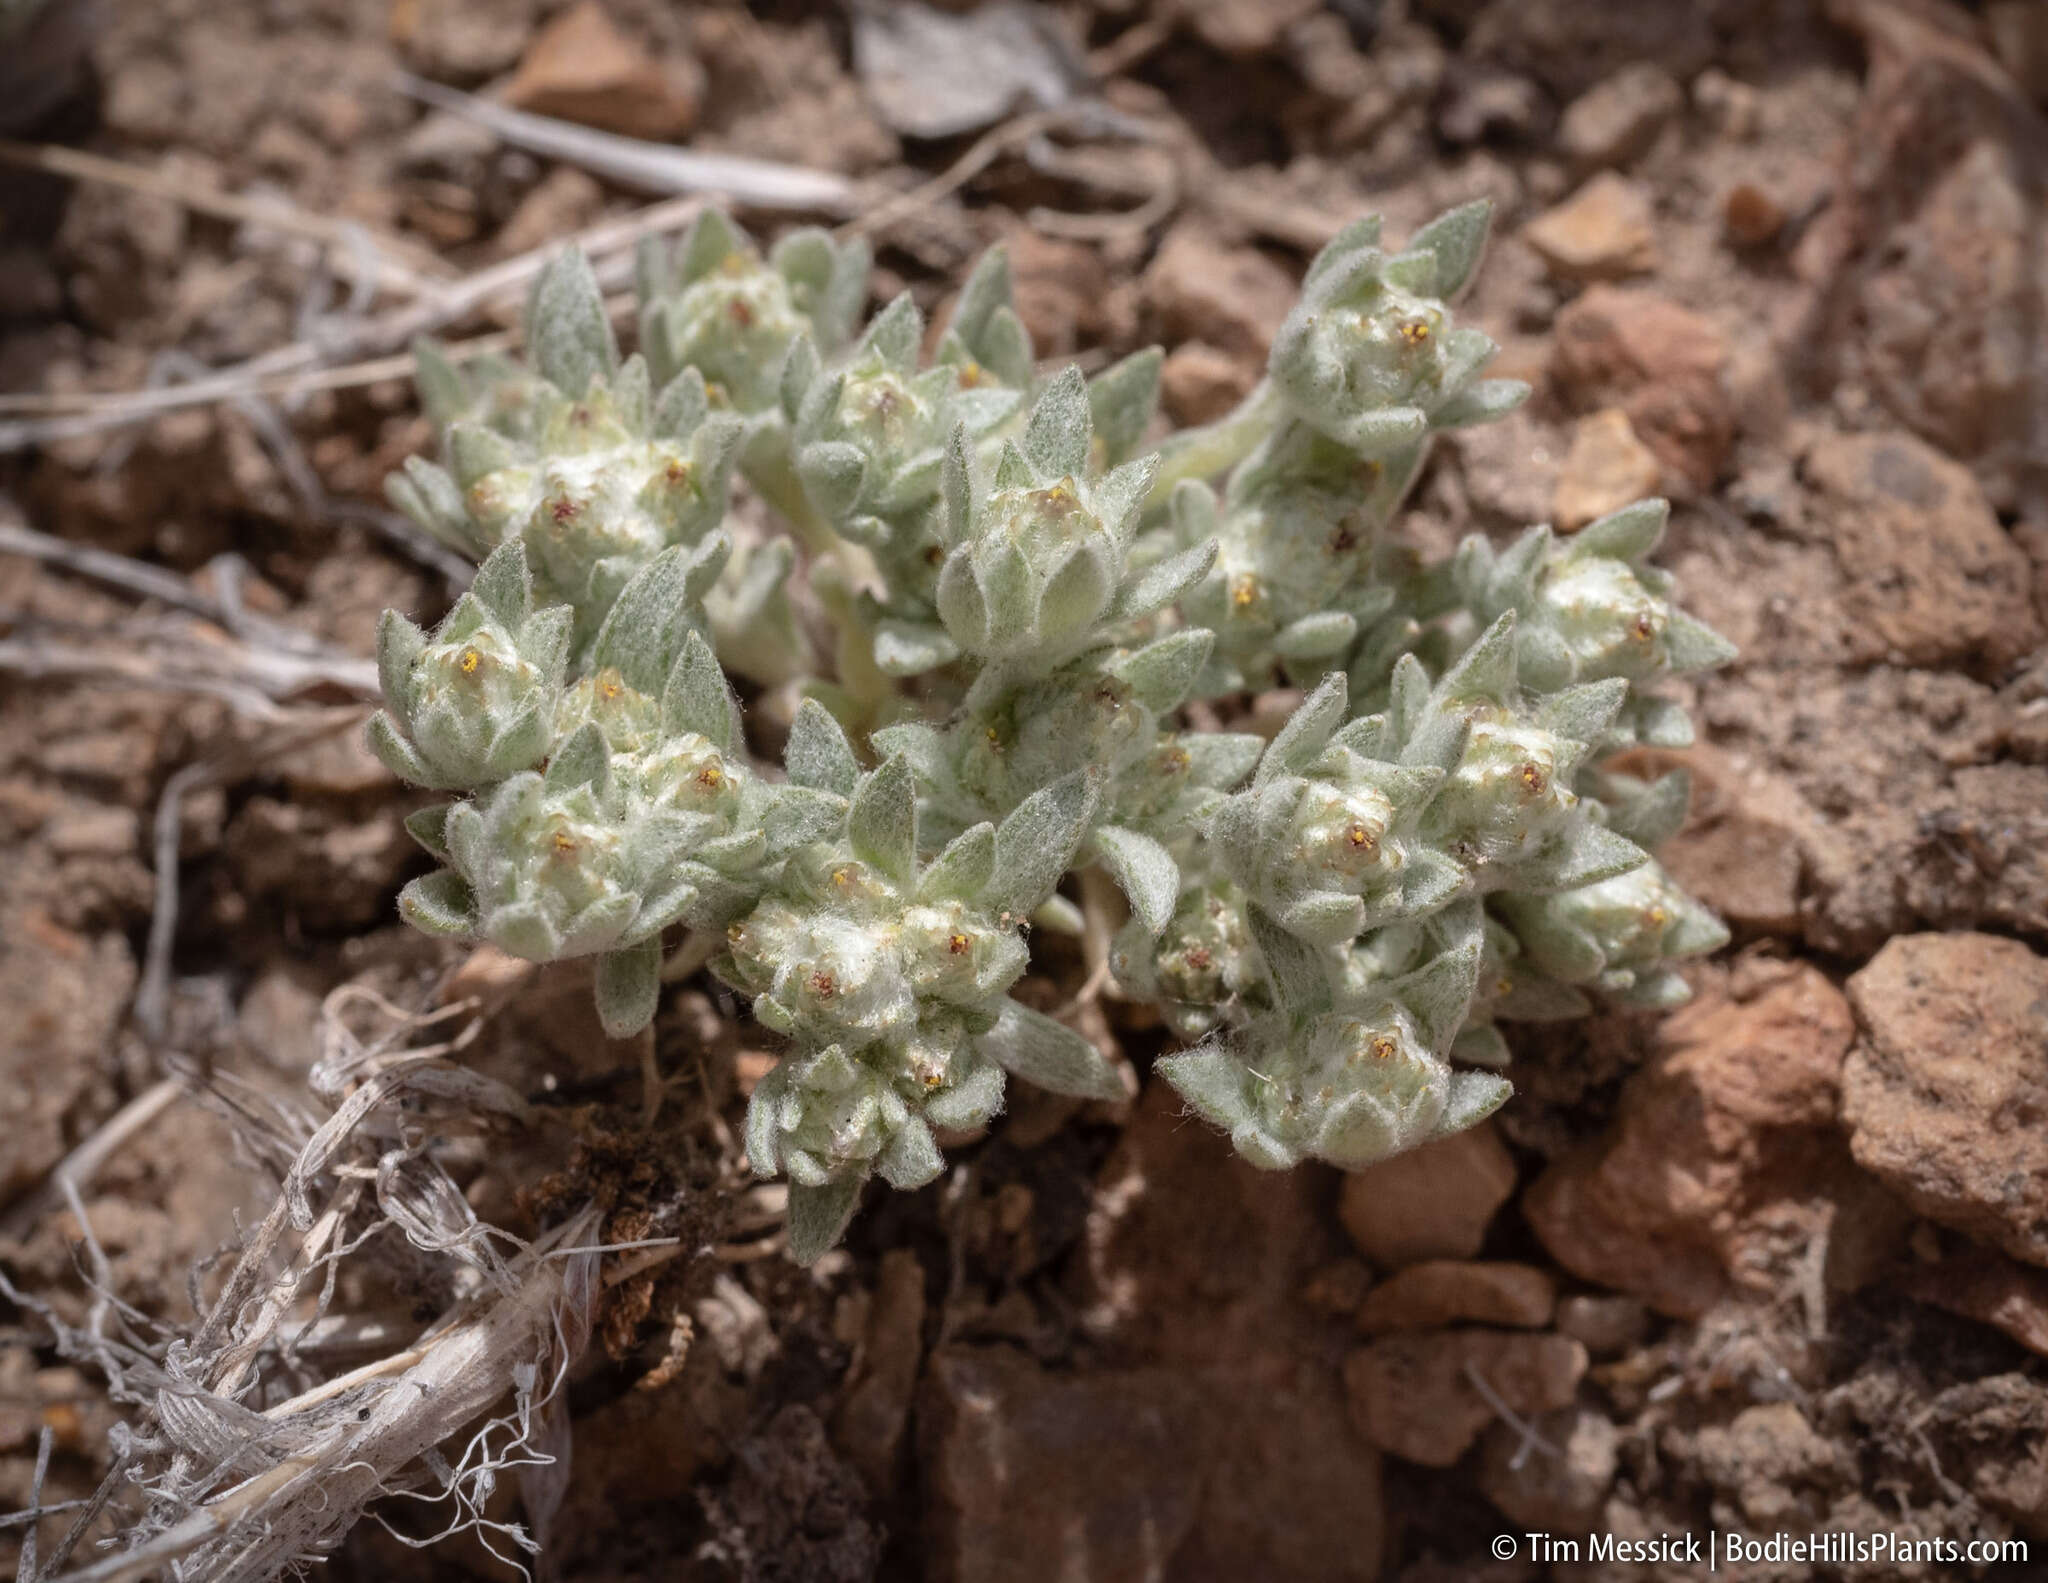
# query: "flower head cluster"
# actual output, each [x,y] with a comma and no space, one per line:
[1035,623]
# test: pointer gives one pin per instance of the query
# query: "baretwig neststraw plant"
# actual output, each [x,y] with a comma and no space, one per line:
[1439,840]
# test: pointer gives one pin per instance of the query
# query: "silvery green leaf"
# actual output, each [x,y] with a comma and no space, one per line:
[1009,593]
[1482,402]
[1035,844]
[1314,721]
[1077,591]
[968,1103]
[911,1157]
[1162,673]
[956,488]
[521,929]
[521,743]
[1458,239]
[1584,713]
[1213,1084]
[919,743]
[1360,236]
[1005,348]
[503,586]
[1119,496]
[696,697]
[629,988]
[1300,973]
[1695,932]
[429,827]
[1013,469]
[1440,993]
[1121,402]
[710,241]
[1323,917]
[1221,759]
[818,1216]
[1163,582]
[798,815]
[834,473]
[1627,535]
[987,290]
[881,823]
[838,306]
[1663,724]
[961,872]
[1487,669]
[1057,915]
[444,392]
[1413,271]
[648,623]
[1050,1055]
[476,451]
[399,646]
[1322,636]
[1056,438]
[426,494]
[910,648]
[584,758]
[818,754]
[568,334]
[397,754]
[1586,854]
[1143,870]
[682,405]
[1473,1097]
[1483,1046]
[440,903]
[1692,645]
[895,335]
[1384,433]
[962,606]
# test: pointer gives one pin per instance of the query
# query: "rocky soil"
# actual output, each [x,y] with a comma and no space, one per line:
[1776,1261]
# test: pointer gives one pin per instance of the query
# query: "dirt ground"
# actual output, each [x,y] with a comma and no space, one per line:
[1777,1262]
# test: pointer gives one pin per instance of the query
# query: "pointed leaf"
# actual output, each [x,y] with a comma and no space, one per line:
[911,1157]
[1056,438]
[585,757]
[818,754]
[697,698]
[818,1216]
[961,872]
[1050,1055]
[1163,582]
[1161,674]
[1628,534]
[1143,870]
[1692,645]
[629,988]
[1121,402]
[1035,844]
[1308,729]
[568,334]
[1458,239]
[503,585]
[1299,972]
[881,824]
[440,903]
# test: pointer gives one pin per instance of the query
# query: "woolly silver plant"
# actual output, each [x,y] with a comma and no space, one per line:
[1440,840]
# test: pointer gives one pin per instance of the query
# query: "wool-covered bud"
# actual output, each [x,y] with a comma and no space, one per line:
[607,473]
[1618,936]
[1201,967]
[475,702]
[890,977]
[715,305]
[1294,582]
[1350,1081]
[1370,356]
[1327,839]
[1589,607]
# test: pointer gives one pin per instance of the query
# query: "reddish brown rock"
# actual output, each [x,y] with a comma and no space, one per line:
[1740,851]
[1990,1288]
[1930,577]
[1232,297]
[1607,468]
[1244,27]
[1061,289]
[581,68]
[1944,1095]
[1453,1291]
[1559,1486]
[1199,383]
[1434,1202]
[1413,1395]
[875,1405]
[1722,1166]
[1292,1491]
[1604,231]
[1022,1467]
[1660,363]
[1617,120]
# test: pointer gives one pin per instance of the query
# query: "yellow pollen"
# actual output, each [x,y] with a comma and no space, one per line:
[1244,590]
[1360,838]
[1531,777]
[1382,1048]
[971,374]
[608,688]
[711,777]
[957,944]
[843,876]
[1415,332]
[564,842]
[470,660]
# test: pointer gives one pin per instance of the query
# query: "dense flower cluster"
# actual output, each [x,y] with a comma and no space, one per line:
[1022,603]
